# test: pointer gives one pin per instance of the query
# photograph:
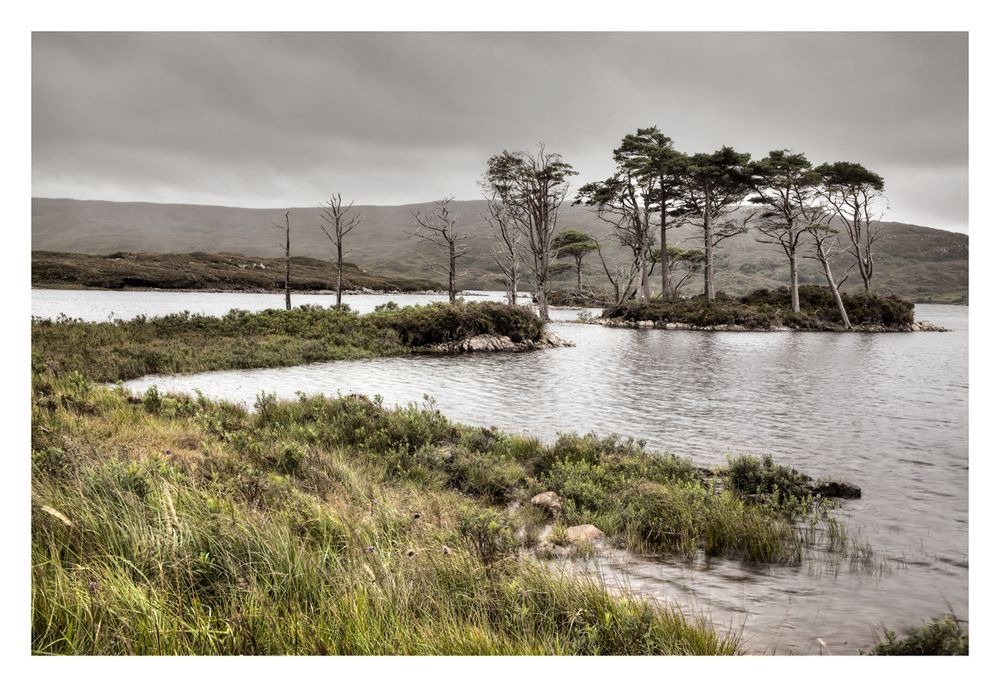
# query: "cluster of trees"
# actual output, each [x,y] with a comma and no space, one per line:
[805,210]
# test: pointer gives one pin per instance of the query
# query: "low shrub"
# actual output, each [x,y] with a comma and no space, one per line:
[489,534]
[940,637]
[754,477]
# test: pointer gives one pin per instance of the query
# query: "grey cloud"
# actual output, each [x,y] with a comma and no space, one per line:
[282,119]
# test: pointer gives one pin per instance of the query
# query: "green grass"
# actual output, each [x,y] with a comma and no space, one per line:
[172,525]
[178,525]
[185,343]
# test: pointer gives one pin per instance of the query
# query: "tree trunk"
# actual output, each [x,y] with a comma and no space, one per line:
[542,296]
[643,292]
[793,265]
[513,284]
[340,271]
[288,245]
[579,275]
[666,281]
[709,254]
[451,273]
[835,292]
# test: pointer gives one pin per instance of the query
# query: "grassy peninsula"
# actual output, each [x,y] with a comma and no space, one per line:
[183,343]
[180,525]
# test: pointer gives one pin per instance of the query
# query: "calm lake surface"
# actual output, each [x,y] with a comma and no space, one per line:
[888,412]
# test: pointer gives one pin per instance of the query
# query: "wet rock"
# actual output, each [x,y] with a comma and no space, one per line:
[924,326]
[550,340]
[583,534]
[837,490]
[492,343]
[549,500]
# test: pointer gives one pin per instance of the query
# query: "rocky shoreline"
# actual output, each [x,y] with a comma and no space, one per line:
[922,326]
[492,343]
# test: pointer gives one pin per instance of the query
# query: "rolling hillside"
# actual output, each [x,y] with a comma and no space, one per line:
[917,263]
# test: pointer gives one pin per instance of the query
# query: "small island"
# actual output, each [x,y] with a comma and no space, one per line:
[766,310]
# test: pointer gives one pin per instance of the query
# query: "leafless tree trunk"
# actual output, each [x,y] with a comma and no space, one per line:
[507,248]
[439,229]
[288,260]
[288,263]
[337,222]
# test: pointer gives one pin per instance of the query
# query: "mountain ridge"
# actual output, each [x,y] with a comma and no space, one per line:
[919,263]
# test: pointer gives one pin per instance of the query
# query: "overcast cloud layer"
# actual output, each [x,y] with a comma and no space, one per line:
[275,120]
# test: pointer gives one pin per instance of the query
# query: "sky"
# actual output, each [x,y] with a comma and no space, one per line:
[283,120]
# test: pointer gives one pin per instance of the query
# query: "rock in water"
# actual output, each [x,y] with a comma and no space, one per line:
[837,490]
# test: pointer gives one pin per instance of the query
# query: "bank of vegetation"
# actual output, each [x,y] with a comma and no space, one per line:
[185,343]
[172,525]
[176,524]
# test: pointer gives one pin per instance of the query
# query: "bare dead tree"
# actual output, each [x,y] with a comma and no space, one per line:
[337,221]
[438,229]
[506,248]
[288,260]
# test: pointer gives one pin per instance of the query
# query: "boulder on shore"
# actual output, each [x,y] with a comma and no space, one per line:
[482,343]
[549,500]
[583,534]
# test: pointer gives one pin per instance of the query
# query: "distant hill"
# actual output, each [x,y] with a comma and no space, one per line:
[917,263]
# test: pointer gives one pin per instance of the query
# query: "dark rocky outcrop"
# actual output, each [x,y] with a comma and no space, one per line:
[836,490]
